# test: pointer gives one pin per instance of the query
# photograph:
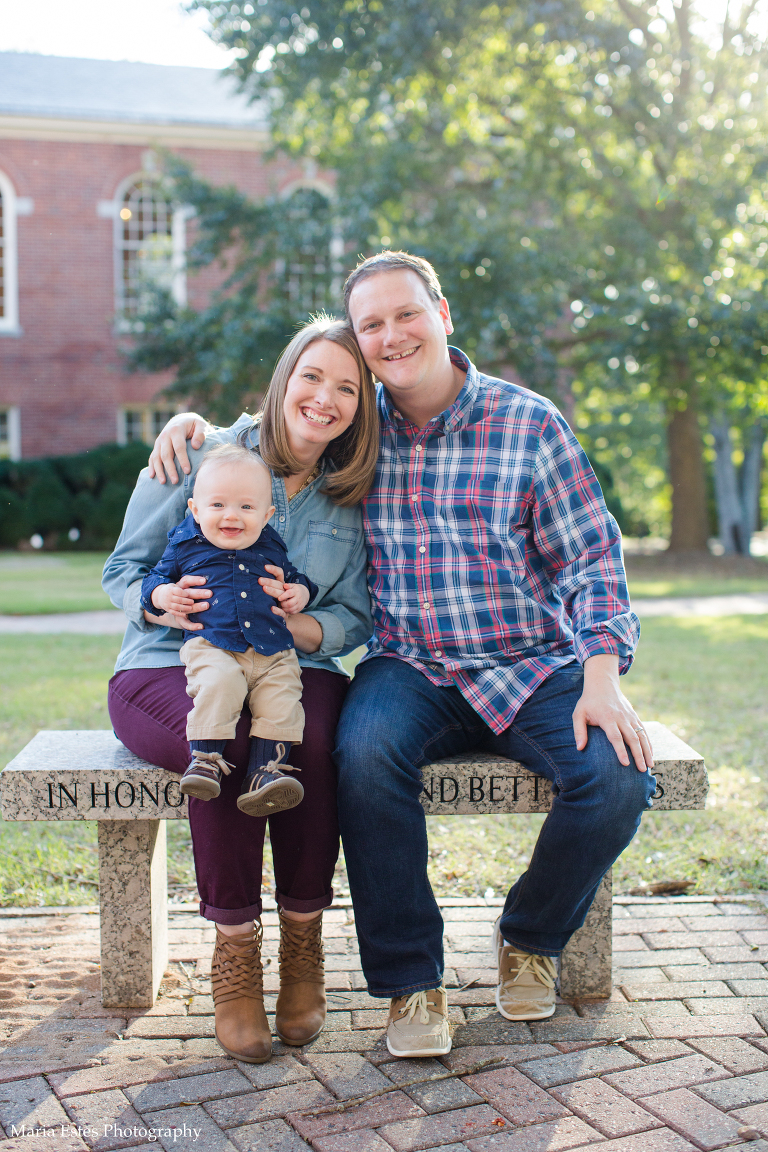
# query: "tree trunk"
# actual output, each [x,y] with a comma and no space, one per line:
[729,508]
[737,493]
[690,528]
[750,477]
[566,398]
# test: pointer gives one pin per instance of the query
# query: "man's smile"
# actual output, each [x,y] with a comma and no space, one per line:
[402,355]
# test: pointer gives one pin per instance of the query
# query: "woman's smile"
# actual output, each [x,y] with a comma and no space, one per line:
[317,417]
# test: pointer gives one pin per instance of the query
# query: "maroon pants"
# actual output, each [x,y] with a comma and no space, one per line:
[148,708]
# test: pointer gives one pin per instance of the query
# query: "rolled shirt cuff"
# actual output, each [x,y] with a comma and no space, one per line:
[334,635]
[134,609]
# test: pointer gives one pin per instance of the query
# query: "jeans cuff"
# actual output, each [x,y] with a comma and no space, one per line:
[316,904]
[230,915]
[532,950]
[396,993]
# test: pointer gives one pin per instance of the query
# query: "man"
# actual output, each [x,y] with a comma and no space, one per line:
[502,623]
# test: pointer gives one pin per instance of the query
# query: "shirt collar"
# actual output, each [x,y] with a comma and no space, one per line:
[457,416]
[187,530]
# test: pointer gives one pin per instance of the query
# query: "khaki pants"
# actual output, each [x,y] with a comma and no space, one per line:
[219,681]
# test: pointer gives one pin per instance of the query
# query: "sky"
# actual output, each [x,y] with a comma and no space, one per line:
[153,31]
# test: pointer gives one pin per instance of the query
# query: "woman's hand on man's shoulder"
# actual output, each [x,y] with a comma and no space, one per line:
[172,442]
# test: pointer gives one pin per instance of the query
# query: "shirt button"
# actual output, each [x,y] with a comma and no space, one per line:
[244,595]
[247,623]
[241,567]
[426,605]
[282,519]
[333,531]
[438,653]
[414,497]
[422,549]
[419,448]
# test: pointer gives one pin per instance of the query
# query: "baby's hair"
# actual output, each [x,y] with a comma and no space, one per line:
[232,454]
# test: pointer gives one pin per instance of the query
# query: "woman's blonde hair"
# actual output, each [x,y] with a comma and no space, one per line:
[355,452]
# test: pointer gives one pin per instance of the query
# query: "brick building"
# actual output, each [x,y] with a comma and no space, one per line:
[85,224]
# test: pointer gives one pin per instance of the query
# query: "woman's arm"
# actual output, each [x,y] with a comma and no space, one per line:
[343,613]
[306,631]
[152,512]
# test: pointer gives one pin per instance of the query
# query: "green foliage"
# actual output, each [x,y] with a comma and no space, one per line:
[622,152]
[88,492]
[589,178]
[276,269]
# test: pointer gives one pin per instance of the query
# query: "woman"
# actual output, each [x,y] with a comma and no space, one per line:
[318,434]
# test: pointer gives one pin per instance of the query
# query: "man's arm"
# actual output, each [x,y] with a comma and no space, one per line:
[172,442]
[580,544]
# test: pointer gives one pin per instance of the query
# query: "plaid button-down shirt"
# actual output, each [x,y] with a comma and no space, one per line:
[493,558]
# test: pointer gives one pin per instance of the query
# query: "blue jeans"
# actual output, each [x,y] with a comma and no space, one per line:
[394,721]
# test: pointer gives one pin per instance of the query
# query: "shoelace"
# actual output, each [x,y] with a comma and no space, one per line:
[543,968]
[211,760]
[417,1002]
[273,766]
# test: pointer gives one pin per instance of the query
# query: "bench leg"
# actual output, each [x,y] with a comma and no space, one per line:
[134,911]
[585,965]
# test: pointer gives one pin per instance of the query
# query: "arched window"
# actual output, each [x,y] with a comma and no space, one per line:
[149,247]
[306,269]
[9,299]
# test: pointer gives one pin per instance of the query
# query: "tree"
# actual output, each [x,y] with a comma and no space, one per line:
[586,178]
[277,266]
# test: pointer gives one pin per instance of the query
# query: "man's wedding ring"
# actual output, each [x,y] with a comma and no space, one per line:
[640,730]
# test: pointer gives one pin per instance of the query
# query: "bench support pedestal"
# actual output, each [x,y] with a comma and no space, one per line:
[585,965]
[134,911]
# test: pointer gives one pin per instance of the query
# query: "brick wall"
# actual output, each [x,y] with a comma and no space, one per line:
[64,372]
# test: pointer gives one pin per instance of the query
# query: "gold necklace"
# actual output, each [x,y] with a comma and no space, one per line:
[312,476]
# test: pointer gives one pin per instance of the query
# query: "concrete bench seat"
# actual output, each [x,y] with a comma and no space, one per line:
[90,775]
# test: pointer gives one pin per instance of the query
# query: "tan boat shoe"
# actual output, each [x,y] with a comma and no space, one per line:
[526,989]
[418,1024]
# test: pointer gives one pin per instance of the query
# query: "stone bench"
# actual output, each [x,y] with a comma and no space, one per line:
[90,775]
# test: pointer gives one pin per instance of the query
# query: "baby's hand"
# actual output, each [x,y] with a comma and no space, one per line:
[181,599]
[293,599]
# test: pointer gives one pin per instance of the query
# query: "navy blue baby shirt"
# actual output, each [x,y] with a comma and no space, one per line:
[239,614]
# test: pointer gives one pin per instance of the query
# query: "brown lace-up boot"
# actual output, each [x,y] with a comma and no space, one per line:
[300,1013]
[238,996]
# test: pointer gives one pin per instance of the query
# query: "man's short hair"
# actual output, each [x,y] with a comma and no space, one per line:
[392,262]
[232,454]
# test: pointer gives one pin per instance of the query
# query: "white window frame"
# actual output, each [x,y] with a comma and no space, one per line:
[13,450]
[9,323]
[179,216]
[147,413]
[317,184]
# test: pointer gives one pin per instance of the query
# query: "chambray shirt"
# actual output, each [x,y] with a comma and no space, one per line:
[239,614]
[323,540]
[493,559]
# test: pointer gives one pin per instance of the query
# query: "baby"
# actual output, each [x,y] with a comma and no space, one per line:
[246,649]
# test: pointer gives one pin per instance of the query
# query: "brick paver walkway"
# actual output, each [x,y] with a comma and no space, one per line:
[678,1059]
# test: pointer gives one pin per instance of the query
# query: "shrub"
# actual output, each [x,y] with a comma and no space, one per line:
[51,497]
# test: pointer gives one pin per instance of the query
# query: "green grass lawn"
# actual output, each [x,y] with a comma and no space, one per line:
[32,583]
[705,678]
[640,587]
